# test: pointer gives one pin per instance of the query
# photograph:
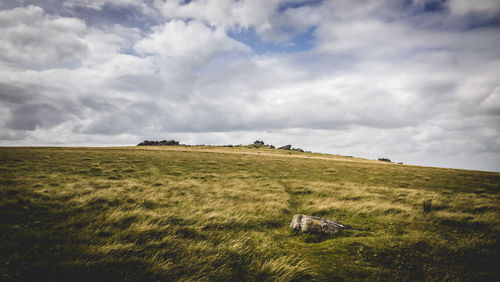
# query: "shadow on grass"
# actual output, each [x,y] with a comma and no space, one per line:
[319,237]
[37,243]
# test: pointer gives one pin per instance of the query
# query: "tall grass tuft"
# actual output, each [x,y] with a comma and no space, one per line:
[427,205]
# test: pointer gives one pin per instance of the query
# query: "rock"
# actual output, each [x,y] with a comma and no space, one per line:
[159,143]
[384,160]
[298,150]
[146,143]
[286,147]
[312,224]
[257,144]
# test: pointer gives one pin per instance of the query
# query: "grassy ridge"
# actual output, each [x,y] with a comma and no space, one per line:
[223,213]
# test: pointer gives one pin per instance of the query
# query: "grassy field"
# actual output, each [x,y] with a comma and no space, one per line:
[213,213]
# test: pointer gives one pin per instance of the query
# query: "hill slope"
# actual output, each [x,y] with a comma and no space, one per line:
[202,213]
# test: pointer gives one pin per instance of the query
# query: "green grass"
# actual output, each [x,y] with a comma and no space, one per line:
[208,213]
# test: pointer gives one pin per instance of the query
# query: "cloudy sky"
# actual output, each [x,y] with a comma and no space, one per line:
[415,81]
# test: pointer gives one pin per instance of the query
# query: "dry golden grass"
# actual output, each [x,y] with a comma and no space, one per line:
[212,213]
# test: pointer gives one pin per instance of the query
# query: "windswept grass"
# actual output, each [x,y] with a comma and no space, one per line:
[222,214]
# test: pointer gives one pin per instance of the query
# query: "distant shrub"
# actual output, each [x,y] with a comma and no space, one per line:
[427,205]
[384,160]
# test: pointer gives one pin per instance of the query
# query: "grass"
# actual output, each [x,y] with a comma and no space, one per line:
[211,213]
[427,205]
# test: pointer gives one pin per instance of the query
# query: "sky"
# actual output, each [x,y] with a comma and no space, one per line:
[413,81]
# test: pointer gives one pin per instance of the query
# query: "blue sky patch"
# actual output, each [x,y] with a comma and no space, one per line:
[297,4]
[301,42]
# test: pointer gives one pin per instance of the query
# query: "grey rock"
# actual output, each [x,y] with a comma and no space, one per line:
[159,143]
[286,147]
[313,224]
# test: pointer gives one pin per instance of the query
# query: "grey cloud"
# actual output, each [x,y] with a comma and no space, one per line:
[98,104]
[485,8]
[30,108]
[14,94]
[13,135]
[29,116]
[143,6]
[115,116]
[149,84]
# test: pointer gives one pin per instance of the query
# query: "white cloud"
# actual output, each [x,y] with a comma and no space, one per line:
[30,37]
[186,45]
[186,39]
